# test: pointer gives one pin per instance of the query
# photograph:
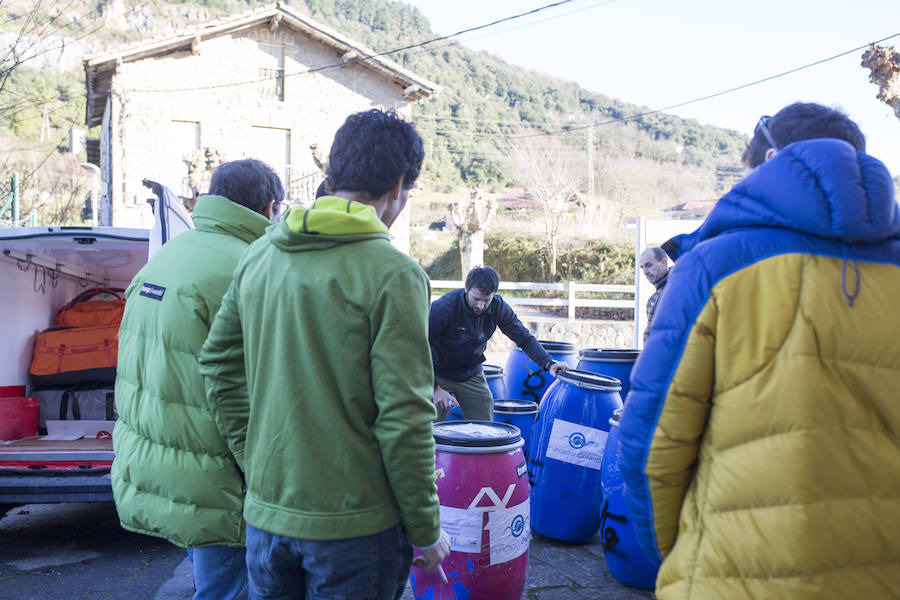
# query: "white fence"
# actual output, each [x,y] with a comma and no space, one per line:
[569,291]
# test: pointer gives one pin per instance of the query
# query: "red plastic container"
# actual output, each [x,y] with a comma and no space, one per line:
[18,418]
[484,494]
[12,391]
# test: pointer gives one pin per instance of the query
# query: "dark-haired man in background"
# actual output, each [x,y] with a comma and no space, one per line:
[460,324]
[759,440]
[318,366]
[173,475]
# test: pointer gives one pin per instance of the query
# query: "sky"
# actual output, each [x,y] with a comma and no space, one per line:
[659,53]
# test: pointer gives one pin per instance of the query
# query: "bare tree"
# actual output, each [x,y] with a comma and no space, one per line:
[52,188]
[200,165]
[884,71]
[472,219]
[552,173]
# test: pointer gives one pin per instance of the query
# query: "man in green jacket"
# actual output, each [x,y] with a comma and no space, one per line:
[173,475]
[319,373]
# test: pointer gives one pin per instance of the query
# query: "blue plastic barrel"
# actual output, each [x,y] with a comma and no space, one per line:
[615,363]
[525,380]
[566,455]
[625,559]
[521,413]
[495,380]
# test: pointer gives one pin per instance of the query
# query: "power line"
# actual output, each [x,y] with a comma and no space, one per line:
[368,57]
[709,96]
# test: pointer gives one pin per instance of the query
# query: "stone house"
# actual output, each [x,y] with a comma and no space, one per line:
[270,83]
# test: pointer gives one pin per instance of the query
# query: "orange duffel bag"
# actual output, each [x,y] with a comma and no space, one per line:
[66,356]
[84,310]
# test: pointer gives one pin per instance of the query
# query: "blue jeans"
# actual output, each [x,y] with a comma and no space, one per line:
[220,573]
[373,567]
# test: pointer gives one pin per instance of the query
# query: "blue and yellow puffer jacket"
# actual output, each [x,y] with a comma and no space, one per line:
[759,442]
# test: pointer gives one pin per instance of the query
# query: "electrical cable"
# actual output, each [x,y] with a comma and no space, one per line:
[363,58]
[708,96]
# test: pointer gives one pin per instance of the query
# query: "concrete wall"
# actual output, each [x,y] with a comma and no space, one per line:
[149,128]
[584,334]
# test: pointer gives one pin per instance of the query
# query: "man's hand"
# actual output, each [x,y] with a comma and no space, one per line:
[557,366]
[432,557]
[442,399]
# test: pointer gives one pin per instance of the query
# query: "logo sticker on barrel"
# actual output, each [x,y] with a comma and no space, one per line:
[464,528]
[576,444]
[490,494]
[521,470]
[510,532]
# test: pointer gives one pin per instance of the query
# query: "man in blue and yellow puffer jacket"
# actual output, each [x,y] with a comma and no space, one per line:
[759,441]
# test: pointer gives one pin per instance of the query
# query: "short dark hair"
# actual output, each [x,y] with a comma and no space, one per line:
[248,182]
[323,189]
[372,150]
[483,279]
[803,121]
[658,253]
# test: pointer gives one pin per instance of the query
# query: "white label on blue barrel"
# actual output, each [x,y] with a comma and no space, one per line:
[577,444]
[464,528]
[509,530]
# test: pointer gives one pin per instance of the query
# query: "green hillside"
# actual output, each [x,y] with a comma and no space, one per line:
[483,99]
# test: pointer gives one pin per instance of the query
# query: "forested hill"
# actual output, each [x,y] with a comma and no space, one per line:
[483,99]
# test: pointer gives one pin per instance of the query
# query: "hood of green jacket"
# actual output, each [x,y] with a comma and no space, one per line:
[330,221]
[217,214]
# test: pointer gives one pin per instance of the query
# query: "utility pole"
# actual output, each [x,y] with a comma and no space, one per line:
[590,162]
[45,123]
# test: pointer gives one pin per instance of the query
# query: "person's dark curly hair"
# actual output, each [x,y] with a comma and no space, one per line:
[372,150]
[802,121]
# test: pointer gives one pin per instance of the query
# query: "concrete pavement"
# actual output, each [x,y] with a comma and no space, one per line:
[560,571]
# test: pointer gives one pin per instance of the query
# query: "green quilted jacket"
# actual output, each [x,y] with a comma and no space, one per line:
[173,475]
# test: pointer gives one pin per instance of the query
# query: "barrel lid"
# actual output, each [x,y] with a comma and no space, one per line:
[616,417]
[591,381]
[557,346]
[481,434]
[515,406]
[492,370]
[609,354]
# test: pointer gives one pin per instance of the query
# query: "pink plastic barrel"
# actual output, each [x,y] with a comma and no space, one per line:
[484,494]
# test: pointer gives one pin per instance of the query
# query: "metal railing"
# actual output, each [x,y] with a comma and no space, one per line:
[569,292]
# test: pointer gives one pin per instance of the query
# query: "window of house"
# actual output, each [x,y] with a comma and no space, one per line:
[273,146]
[183,139]
[271,71]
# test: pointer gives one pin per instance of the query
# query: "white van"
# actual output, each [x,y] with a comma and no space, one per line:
[41,269]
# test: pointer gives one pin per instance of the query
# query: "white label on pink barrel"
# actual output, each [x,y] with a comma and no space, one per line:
[509,531]
[464,528]
[576,444]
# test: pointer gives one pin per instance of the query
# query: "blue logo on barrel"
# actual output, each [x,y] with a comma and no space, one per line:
[517,527]
[577,440]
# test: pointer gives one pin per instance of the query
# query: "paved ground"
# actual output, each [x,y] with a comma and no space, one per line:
[560,571]
[75,551]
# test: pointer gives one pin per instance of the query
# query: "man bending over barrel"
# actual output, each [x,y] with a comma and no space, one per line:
[459,326]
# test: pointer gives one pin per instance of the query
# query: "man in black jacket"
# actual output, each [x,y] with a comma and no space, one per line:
[459,326]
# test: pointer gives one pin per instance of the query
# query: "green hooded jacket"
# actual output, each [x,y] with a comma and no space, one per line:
[319,370]
[173,475]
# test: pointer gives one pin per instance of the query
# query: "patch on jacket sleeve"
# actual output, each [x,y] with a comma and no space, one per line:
[153,291]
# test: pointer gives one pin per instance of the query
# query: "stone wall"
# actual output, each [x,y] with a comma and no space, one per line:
[161,100]
[584,334]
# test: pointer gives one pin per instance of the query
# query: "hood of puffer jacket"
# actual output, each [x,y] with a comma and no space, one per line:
[217,214]
[329,222]
[822,187]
